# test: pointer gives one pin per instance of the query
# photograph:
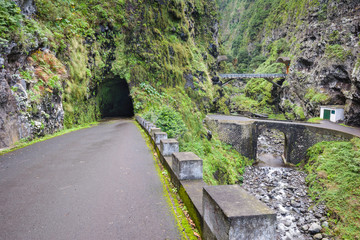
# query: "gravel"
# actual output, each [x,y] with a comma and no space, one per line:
[284,190]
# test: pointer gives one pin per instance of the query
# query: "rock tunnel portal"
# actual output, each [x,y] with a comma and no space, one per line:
[114,98]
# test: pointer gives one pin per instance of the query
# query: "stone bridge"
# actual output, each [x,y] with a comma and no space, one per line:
[242,133]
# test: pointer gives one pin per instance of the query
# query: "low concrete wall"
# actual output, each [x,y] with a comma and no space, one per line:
[219,212]
[245,218]
[243,136]
[238,134]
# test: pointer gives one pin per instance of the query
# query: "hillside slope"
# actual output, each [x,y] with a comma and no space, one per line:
[320,37]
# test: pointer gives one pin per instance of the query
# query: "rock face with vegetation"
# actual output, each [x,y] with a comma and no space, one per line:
[61,60]
[320,37]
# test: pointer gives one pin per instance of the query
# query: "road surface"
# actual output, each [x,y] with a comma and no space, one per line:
[96,183]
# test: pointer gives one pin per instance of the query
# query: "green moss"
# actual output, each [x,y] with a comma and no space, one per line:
[179,212]
[190,208]
[314,120]
[277,116]
[299,111]
[336,52]
[334,37]
[316,97]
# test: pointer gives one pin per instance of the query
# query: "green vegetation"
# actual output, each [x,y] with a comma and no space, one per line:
[96,40]
[336,52]
[314,120]
[299,112]
[277,116]
[250,54]
[170,122]
[334,177]
[10,18]
[243,103]
[315,97]
[222,164]
[246,21]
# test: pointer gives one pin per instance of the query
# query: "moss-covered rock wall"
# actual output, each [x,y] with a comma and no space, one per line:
[57,57]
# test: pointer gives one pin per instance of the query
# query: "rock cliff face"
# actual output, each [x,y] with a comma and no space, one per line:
[28,106]
[327,61]
[322,40]
[27,6]
[58,58]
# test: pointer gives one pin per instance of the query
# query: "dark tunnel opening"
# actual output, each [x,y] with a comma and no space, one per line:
[114,98]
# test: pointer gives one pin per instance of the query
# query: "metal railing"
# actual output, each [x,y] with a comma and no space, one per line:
[242,76]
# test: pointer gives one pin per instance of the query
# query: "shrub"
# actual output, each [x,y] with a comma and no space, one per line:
[170,122]
[316,97]
[10,18]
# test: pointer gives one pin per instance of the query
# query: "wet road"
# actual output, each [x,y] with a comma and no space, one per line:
[96,183]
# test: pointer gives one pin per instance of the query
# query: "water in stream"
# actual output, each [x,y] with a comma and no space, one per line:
[284,190]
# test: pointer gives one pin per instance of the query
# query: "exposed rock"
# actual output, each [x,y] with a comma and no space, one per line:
[216,80]
[213,50]
[318,236]
[221,58]
[27,6]
[314,228]
[326,63]
[325,224]
[284,190]
[21,116]
[324,45]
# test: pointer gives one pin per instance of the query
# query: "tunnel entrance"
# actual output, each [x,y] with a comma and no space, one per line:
[270,148]
[114,98]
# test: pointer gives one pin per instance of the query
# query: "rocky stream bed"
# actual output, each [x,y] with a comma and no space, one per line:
[285,191]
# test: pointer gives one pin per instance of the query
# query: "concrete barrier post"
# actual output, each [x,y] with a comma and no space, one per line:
[142,122]
[168,147]
[158,136]
[187,166]
[153,131]
[150,126]
[232,213]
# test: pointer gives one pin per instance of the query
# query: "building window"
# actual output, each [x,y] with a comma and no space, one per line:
[332,111]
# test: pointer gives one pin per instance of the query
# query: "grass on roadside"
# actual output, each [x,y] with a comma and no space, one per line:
[334,177]
[314,120]
[26,142]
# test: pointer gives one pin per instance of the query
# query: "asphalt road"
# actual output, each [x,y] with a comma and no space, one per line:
[97,183]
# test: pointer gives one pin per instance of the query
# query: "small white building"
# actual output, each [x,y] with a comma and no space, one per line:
[333,113]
